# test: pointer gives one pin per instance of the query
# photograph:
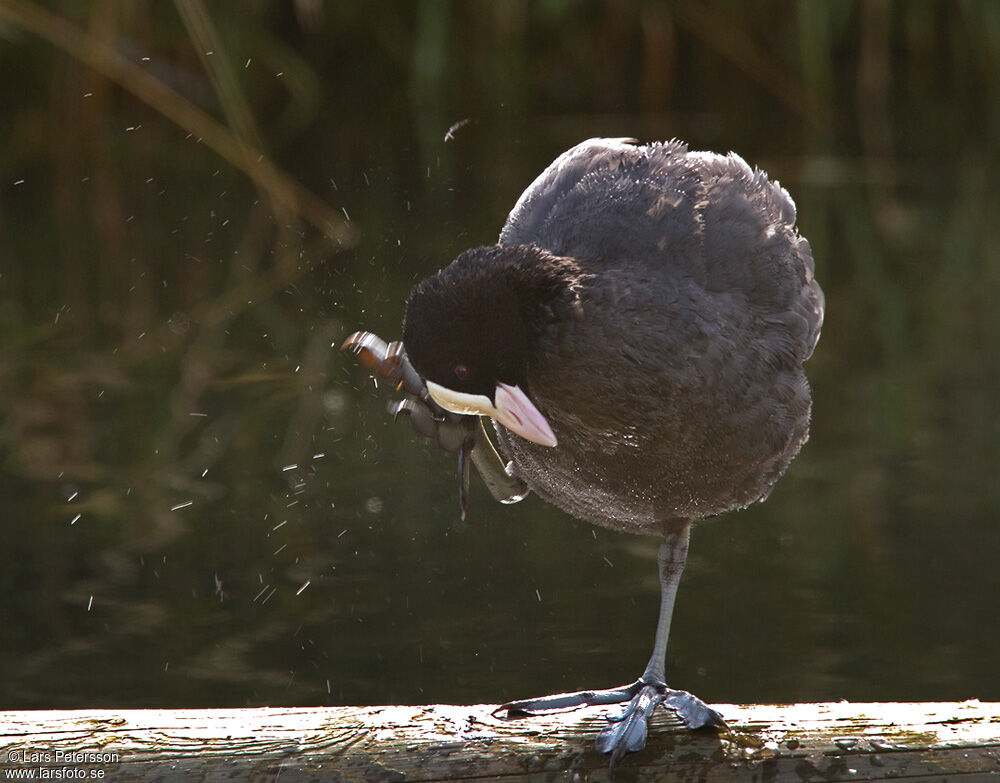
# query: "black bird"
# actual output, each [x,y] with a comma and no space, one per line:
[637,336]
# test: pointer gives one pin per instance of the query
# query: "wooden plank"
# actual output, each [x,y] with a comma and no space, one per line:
[796,743]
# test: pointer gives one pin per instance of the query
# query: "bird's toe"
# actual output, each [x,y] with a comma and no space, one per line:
[627,733]
[695,713]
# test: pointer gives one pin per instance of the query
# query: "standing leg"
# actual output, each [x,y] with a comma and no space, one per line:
[627,734]
[670,559]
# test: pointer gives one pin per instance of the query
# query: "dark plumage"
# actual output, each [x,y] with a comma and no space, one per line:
[656,306]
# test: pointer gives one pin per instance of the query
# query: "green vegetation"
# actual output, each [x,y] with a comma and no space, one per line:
[197,199]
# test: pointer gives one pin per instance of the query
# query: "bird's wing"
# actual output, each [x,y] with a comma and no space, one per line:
[752,244]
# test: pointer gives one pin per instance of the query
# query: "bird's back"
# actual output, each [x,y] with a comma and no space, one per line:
[678,390]
[707,217]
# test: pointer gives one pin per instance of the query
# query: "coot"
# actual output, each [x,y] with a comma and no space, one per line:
[637,335]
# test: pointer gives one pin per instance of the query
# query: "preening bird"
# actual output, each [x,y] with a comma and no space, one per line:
[637,336]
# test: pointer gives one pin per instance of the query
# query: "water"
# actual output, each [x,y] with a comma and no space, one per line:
[205,503]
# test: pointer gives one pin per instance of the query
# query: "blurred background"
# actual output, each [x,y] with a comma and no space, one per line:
[205,504]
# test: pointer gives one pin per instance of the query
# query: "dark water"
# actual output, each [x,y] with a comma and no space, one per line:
[205,504]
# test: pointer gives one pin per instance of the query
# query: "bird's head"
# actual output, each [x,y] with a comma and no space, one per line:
[470,332]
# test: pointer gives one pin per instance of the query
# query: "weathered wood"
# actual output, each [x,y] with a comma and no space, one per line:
[800,742]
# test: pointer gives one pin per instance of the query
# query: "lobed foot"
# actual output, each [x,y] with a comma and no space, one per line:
[455,433]
[692,710]
[451,431]
[627,732]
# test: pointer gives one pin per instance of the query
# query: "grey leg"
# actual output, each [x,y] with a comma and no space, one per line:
[670,560]
[627,733]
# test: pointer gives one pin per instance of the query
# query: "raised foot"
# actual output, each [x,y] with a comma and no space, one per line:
[627,732]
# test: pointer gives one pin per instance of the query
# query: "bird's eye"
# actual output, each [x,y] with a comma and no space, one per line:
[461,371]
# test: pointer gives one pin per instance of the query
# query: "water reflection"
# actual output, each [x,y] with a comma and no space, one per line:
[182,450]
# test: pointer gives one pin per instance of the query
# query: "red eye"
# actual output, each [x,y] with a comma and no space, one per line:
[461,371]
